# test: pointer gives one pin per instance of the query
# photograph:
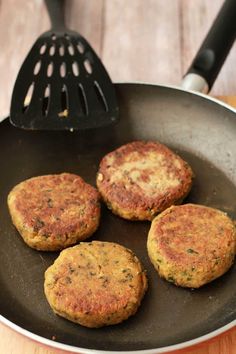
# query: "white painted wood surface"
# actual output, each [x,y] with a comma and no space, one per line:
[149,41]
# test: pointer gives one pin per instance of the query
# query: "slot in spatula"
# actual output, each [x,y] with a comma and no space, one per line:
[62,84]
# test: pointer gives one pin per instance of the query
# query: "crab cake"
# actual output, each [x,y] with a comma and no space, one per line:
[191,245]
[54,211]
[140,179]
[95,284]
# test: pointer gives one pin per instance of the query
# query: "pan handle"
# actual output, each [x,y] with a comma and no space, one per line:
[56,13]
[210,57]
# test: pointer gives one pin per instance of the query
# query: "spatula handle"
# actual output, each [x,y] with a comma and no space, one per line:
[56,13]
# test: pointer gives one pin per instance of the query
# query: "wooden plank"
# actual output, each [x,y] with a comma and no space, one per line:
[14,343]
[197,17]
[230,100]
[142,40]
[86,17]
[22,21]
[152,41]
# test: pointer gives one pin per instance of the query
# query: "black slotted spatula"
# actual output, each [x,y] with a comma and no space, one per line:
[62,84]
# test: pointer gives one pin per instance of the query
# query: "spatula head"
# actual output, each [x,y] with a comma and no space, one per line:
[62,85]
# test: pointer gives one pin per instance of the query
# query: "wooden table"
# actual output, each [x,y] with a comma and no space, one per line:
[151,41]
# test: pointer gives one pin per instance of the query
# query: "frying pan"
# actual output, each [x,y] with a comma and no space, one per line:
[202,131]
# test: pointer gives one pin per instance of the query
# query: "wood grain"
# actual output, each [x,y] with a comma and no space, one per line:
[137,39]
[197,17]
[14,343]
[151,41]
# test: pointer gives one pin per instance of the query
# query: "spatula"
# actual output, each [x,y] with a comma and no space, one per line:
[62,84]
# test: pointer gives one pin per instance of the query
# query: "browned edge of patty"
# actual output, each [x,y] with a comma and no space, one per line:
[95,284]
[191,245]
[52,212]
[125,197]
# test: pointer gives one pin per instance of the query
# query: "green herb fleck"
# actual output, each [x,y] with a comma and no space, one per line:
[50,203]
[190,250]
[71,269]
[68,280]
[171,279]
[38,224]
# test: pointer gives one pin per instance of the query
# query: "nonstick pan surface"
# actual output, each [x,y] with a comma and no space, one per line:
[200,130]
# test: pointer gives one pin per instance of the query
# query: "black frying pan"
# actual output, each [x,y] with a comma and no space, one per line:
[203,132]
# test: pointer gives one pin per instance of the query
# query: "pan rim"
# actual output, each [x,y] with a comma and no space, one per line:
[175,87]
[73,349]
[174,347]
[179,88]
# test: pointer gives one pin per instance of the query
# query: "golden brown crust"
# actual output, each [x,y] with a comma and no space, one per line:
[140,179]
[54,211]
[191,245]
[95,284]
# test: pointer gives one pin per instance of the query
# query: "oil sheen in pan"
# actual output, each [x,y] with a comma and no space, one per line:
[22,300]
